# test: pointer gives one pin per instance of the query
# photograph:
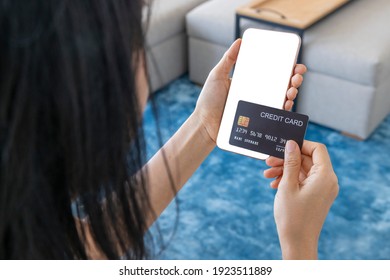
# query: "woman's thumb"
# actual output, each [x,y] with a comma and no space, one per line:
[227,62]
[292,164]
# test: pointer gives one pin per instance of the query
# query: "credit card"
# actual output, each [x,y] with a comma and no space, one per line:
[265,129]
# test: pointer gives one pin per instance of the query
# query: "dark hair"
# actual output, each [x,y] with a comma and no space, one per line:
[70,129]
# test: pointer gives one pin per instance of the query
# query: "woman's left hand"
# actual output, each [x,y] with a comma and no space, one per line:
[211,102]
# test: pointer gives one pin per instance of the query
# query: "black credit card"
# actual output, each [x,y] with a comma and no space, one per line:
[265,129]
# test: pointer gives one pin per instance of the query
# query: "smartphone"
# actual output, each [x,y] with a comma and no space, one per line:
[262,74]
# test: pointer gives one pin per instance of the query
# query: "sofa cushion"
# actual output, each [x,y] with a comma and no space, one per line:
[168,19]
[362,58]
[214,21]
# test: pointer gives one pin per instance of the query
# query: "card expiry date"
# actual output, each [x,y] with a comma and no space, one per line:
[265,129]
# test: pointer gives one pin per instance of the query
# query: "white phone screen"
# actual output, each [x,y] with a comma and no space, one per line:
[262,75]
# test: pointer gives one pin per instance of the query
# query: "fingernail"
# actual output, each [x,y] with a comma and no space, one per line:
[291,146]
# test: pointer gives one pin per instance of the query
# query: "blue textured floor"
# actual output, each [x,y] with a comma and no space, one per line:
[226,209]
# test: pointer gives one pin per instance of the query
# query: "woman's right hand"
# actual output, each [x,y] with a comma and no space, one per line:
[307,187]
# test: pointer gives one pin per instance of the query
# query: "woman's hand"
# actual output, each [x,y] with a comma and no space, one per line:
[211,103]
[307,187]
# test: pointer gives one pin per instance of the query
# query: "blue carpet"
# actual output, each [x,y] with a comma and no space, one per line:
[226,208]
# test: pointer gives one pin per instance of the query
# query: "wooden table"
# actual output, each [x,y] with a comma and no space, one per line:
[292,15]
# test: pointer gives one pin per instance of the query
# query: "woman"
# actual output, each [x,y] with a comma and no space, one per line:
[72,91]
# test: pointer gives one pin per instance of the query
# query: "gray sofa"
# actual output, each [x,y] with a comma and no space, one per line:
[347,54]
[167,40]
